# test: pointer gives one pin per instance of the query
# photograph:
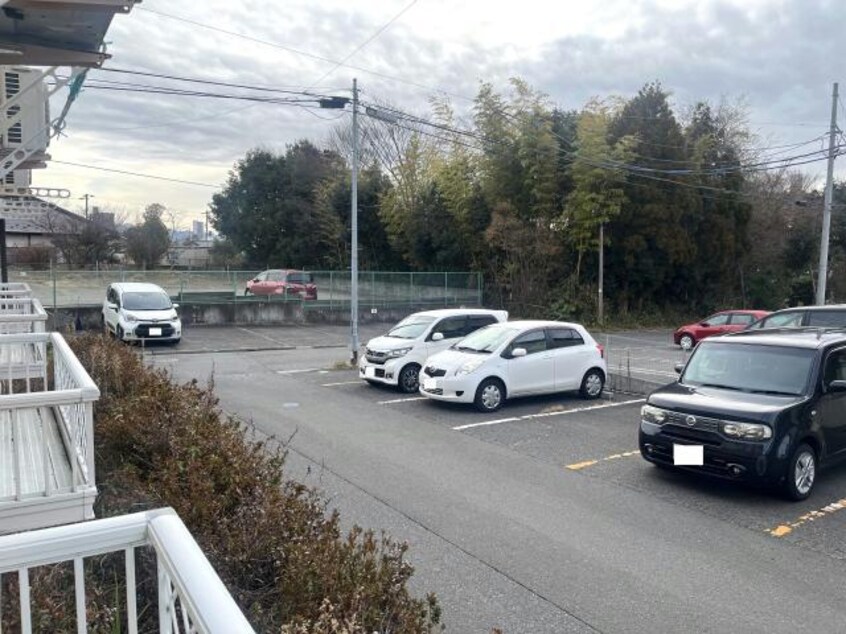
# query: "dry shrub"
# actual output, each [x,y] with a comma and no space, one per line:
[282,556]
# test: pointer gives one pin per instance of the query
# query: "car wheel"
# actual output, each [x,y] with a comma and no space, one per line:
[119,333]
[592,384]
[246,292]
[801,473]
[490,395]
[687,342]
[409,378]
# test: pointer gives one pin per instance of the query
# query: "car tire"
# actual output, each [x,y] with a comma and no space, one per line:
[592,384]
[409,378]
[247,292]
[119,332]
[490,395]
[686,342]
[801,473]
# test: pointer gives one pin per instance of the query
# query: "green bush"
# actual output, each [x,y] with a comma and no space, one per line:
[280,553]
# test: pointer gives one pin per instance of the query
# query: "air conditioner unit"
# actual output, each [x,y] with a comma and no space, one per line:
[33,129]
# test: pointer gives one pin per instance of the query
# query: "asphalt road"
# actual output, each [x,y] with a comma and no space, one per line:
[541,517]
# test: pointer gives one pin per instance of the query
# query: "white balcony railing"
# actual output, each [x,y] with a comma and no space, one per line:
[47,473]
[14,289]
[190,598]
[21,314]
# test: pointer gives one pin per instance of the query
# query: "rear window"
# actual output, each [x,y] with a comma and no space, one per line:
[300,278]
[827,318]
[783,320]
[750,368]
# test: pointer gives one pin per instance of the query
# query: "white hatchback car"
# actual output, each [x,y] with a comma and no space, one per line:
[518,358]
[141,312]
[396,357]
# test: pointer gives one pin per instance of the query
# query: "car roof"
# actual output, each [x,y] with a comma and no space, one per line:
[815,308]
[527,324]
[449,312]
[137,287]
[808,337]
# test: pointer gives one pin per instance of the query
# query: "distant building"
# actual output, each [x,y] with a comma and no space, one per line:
[199,230]
[33,225]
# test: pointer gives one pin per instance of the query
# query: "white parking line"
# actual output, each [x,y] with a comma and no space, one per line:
[341,383]
[259,334]
[576,410]
[303,371]
[404,400]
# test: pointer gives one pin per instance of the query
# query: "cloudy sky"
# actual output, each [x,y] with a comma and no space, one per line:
[779,56]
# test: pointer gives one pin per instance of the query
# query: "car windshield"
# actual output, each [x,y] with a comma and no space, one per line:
[146,301]
[486,340]
[749,368]
[411,327]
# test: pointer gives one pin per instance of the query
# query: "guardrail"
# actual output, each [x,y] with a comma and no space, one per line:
[20,314]
[190,597]
[47,473]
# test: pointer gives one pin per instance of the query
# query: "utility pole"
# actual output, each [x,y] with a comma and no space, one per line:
[86,197]
[822,275]
[601,270]
[354,238]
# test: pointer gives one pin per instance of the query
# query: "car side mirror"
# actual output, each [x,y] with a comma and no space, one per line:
[112,305]
[175,306]
[704,324]
[838,385]
[518,352]
[438,336]
[678,368]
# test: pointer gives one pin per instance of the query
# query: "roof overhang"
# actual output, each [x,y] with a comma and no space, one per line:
[56,32]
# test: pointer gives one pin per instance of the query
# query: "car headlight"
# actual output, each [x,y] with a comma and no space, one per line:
[747,431]
[130,317]
[469,367]
[652,414]
[401,352]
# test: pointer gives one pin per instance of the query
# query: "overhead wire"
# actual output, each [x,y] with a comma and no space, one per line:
[138,174]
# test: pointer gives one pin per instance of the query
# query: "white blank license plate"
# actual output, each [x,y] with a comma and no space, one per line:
[370,372]
[688,455]
[155,332]
[430,384]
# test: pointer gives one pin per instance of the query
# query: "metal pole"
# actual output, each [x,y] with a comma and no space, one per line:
[4,264]
[829,190]
[601,269]
[354,239]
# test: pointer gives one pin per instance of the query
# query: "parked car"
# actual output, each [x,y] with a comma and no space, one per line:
[518,358]
[396,357]
[138,312]
[817,316]
[286,282]
[717,324]
[764,406]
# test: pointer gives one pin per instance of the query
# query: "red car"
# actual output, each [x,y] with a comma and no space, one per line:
[283,282]
[717,324]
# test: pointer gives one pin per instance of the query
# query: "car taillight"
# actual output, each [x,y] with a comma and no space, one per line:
[601,349]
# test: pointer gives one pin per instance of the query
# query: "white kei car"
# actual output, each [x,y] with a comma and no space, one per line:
[396,357]
[518,358]
[135,311]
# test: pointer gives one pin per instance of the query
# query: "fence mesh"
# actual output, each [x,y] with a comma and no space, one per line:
[378,289]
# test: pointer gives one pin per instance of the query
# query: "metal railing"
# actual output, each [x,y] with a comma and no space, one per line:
[15,289]
[21,314]
[190,596]
[25,381]
[59,288]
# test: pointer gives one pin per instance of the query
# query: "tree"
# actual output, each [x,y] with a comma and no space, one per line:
[267,209]
[147,242]
[82,242]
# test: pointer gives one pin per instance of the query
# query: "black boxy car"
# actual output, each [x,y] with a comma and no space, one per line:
[767,406]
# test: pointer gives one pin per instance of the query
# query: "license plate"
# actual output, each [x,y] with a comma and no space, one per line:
[155,332]
[688,455]
[370,372]
[430,384]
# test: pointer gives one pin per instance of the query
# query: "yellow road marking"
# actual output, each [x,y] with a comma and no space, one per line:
[784,529]
[589,463]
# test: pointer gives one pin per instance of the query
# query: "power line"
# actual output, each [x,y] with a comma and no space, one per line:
[138,174]
[366,42]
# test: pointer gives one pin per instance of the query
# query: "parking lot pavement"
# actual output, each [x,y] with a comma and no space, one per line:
[598,439]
